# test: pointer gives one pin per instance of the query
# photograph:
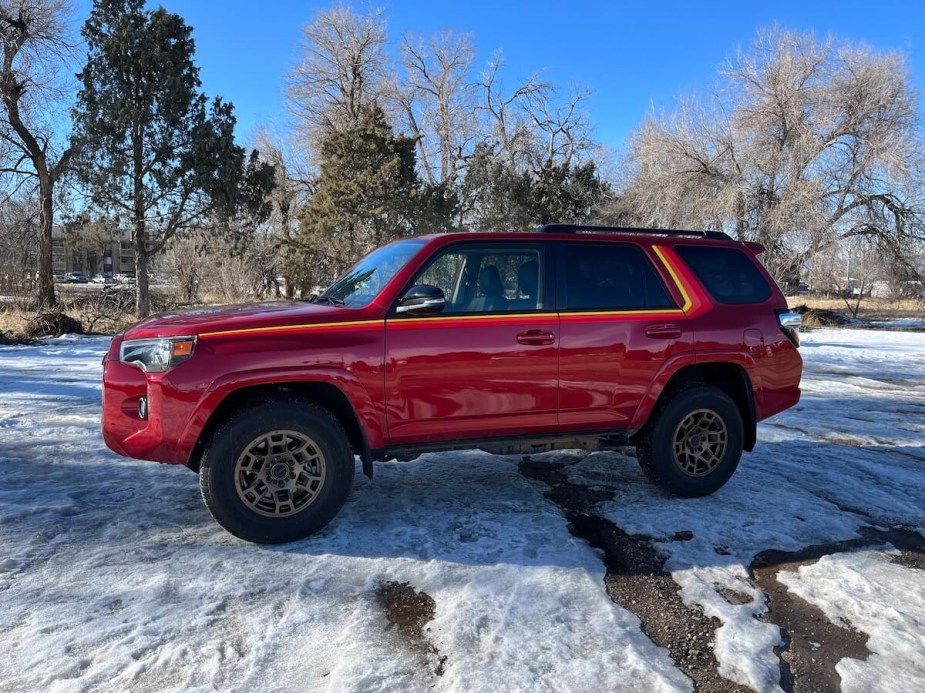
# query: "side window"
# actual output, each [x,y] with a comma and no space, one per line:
[727,273]
[446,273]
[487,278]
[611,277]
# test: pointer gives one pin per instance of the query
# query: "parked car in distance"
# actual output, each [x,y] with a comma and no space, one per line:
[76,278]
[103,278]
[675,342]
[124,278]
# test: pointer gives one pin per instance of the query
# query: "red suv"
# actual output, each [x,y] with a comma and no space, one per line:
[675,342]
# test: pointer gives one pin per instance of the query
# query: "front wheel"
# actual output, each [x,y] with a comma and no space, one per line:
[693,443]
[277,472]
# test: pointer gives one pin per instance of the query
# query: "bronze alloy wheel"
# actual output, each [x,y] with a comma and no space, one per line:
[279,473]
[699,442]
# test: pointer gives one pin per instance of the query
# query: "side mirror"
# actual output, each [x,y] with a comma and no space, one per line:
[421,300]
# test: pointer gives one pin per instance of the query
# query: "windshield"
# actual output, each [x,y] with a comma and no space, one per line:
[363,282]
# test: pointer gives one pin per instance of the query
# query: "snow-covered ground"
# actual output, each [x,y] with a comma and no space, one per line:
[114,577]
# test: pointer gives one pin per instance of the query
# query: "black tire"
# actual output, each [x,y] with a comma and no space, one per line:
[232,493]
[692,468]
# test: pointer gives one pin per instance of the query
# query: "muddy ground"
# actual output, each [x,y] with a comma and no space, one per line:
[636,580]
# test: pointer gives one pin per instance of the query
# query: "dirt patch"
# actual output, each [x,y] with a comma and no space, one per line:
[732,596]
[407,608]
[909,559]
[409,611]
[635,578]
[813,645]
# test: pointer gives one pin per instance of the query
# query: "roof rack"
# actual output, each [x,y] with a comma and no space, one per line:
[579,228]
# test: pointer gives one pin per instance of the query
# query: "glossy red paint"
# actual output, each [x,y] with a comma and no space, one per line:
[451,378]
[462,377]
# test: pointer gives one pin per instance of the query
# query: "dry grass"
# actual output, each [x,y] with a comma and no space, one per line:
[871,308]
[13,321]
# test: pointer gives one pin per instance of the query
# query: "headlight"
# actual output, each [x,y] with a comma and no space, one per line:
[156,355]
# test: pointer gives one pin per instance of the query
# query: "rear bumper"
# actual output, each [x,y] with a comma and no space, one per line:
[775,401]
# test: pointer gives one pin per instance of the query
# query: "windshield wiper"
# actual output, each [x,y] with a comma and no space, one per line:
[330,300]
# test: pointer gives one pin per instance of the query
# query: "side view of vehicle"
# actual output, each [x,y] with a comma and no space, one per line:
[76,278]
[677,342]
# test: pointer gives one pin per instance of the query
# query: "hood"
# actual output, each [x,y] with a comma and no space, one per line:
[201,319]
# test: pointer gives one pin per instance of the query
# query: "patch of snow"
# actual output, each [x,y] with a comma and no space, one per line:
[877,597]
[851,453]
[901,323]
[113,574]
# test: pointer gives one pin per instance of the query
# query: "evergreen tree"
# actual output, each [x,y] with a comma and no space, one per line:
[366,194]
[497,197]
[500,198]
[149,145]
[565,193]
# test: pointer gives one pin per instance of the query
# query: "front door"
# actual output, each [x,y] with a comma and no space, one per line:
[487,365]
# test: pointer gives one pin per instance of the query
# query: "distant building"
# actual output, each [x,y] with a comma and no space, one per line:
[92,251]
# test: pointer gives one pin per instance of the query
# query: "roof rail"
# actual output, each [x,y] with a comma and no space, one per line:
[578,228]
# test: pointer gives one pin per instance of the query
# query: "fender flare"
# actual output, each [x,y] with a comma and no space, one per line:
[370,420]
[671,367]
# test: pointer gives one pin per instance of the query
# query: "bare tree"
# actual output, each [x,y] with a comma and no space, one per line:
[508,123]
[290,192]
[341,70]
[806,141]
[36,52]
[438,102]
[19,236]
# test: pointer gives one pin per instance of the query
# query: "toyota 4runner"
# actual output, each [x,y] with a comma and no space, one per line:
[675,342]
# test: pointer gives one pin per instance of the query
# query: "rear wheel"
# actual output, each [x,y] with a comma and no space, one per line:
[693,443]
[277,472]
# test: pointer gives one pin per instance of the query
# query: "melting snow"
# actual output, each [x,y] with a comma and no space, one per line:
[113,575]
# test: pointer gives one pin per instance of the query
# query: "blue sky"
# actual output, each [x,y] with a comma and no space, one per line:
[631,55]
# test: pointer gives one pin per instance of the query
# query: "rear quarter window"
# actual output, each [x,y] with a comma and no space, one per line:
[727,273]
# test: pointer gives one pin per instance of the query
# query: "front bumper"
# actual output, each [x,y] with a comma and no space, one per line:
[124,430]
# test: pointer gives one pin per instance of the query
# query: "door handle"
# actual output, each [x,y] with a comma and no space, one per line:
[663,331]
[536,337]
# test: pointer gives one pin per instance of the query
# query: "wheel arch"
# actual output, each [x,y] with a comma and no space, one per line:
[731,378]
[322,394]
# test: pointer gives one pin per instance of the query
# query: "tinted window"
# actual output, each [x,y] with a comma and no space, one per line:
[487,279]
[611,277]
[727,273]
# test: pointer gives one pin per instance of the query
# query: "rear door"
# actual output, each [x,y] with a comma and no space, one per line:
[618,325]
[486,367]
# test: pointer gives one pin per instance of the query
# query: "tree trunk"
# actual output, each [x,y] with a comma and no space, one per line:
[142,295]
[287,276]
[47,299]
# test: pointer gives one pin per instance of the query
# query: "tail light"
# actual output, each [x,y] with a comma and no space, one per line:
[790,323]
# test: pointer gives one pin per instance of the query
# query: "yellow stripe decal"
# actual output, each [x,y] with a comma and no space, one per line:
[687,299]
[639,311]
[463,318]
[289,328]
